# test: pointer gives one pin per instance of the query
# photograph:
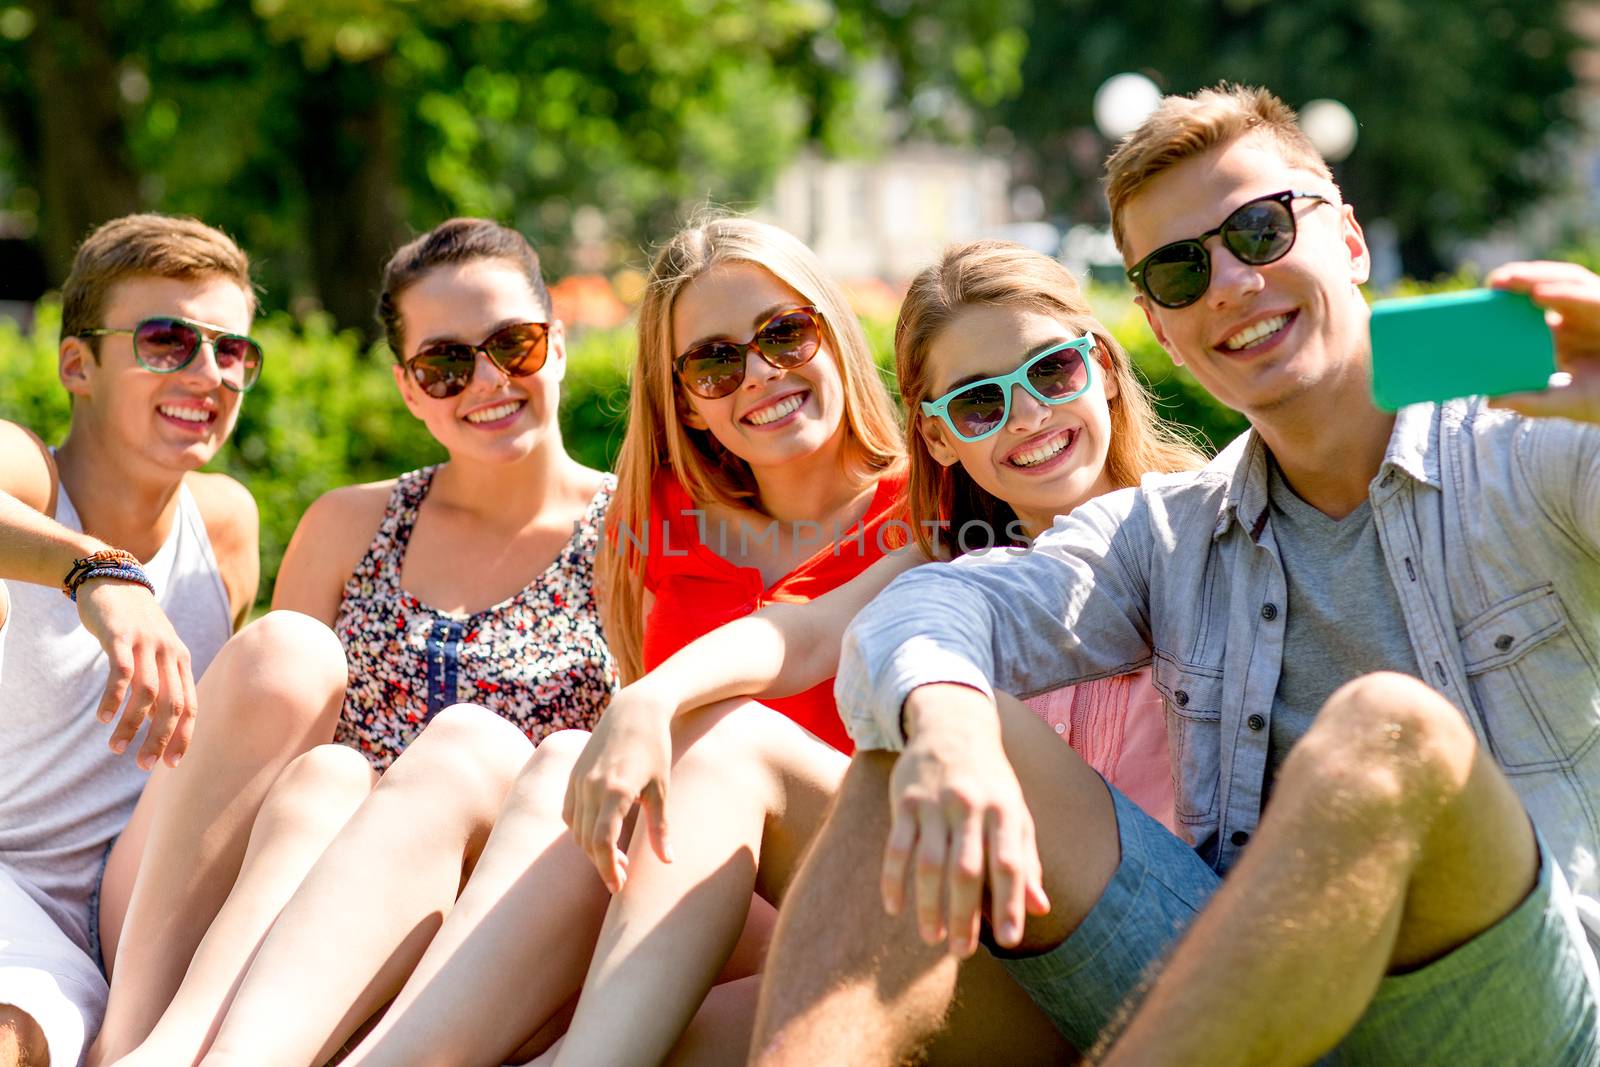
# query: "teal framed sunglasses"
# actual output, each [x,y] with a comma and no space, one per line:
[979,409]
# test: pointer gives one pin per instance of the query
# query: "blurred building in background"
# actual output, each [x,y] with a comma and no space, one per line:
[888,217]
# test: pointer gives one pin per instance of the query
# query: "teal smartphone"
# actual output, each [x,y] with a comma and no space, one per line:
[1481,341]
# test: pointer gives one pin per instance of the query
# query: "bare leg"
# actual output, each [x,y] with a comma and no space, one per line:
[273,692]
[22,1041]
[749,789]
[719,1036]
[532,910]
[357,925]
[846,982]
[309,804]
[1391,839]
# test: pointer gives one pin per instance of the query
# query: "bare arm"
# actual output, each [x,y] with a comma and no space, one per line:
[783,649]
[327,544]
[779,650]
[33,546]
[148,665]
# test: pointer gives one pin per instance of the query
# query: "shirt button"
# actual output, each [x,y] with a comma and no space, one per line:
[1503,642]
[1061,727]
[1269,611]
[1255,722]
[1239,838]
[1181,698]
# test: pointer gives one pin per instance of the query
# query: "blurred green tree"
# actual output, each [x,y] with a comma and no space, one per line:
[1460,102]
[320,131]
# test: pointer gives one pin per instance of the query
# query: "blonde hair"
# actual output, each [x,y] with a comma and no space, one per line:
[1183,127]
[657,438]
[1001,273]
[148,245]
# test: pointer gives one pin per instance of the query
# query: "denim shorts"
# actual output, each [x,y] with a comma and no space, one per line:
[1525,991]
[46,974]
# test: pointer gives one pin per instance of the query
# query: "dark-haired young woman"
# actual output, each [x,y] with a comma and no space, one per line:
[463,597]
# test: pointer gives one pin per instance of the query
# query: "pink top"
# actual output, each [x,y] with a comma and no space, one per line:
[1118,726]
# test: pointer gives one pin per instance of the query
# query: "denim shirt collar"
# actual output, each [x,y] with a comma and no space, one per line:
[1412,451]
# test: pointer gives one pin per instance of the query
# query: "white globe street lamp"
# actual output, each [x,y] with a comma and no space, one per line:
[1124,101]
[1331,128]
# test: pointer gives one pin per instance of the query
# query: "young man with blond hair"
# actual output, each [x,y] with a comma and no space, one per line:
[123,573]
[1378,637]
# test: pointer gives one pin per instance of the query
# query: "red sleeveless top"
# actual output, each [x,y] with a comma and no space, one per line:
[696,590]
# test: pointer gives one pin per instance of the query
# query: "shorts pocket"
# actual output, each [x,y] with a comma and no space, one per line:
[1193,699]
[1533,682]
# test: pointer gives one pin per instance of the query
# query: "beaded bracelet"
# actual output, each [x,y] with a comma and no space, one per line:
[107,563]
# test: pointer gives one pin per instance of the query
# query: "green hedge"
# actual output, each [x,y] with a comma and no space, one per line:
[327,414]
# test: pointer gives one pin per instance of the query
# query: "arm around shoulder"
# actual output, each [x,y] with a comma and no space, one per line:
[782,649]
[326,546]
[1070,606]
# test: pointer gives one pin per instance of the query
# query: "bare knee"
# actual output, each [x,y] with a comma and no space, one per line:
[1387,744]
[22,1041]
[563,747]
[735,739]
[327,778]
[541,785]
[467,755]
[297,643]
[285,663]
[862,800]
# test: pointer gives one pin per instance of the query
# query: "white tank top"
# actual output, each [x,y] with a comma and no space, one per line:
[64,796]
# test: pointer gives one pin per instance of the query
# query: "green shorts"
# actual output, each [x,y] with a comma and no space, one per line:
[1525,991]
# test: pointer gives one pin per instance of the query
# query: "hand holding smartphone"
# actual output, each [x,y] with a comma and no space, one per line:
[1447,345]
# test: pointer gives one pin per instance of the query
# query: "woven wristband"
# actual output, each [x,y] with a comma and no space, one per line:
[107,563]
[121,572]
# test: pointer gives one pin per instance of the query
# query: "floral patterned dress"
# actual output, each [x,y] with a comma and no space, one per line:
[538,659]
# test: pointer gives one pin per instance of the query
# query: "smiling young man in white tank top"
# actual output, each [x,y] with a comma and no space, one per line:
[123,573]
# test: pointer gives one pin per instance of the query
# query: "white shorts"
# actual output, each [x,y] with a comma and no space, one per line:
[48,976]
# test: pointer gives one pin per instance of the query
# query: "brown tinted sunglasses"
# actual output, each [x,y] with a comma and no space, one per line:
[787,340]
[444,369]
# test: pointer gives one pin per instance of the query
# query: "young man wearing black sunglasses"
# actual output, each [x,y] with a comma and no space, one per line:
[126,570]
[1378,637]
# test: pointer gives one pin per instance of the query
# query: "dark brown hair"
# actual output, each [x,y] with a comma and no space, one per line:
[149,245]
[453,242]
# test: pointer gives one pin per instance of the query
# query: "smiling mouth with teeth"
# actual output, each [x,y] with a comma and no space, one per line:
[787,406]
[1034,456]
[499,411]
[1253,335]
[185,414]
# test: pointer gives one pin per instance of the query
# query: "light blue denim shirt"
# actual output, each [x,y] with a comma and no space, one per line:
[1490,527]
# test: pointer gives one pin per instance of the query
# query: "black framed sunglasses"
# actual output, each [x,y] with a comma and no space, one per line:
[444,368]
[165,344]
[715,369]
[1258,232]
